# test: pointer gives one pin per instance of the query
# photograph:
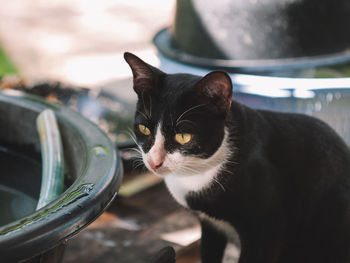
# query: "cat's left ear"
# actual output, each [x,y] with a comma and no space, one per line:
[217,86]
[145,76]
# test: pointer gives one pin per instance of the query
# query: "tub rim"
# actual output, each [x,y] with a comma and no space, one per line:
[61,219]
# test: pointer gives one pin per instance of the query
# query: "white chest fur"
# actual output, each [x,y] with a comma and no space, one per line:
[181,184]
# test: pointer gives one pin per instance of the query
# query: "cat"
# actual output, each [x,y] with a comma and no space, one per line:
[281,180]
[165,255]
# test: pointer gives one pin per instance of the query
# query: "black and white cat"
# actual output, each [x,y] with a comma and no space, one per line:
[281,180]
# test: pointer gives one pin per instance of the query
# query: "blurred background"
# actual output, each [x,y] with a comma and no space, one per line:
[78,42]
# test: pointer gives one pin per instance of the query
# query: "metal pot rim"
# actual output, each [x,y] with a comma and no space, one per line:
[166,47]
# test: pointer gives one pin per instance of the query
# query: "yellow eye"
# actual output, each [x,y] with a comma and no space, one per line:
[183,138]
[144,130]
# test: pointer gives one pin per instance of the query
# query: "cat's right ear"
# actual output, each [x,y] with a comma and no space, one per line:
[217,87]
[143,74]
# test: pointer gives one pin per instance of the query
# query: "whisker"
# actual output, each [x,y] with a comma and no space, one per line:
[133,149]
[192,108]
[231,162]
[138,151]
[222,187]
[144,115]
[192,122]
[134,139]
[131,132]
[189,170]
[138,161]
[202,165]
[137,165]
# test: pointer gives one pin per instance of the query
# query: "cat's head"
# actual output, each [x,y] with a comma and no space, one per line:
[180,118]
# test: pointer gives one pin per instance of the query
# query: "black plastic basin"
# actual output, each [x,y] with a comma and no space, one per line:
[93,174]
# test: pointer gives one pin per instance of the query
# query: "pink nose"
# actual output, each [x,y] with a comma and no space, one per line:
[155,164]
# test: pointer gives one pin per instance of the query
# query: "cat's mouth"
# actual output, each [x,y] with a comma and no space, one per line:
[159,166]
[161,171]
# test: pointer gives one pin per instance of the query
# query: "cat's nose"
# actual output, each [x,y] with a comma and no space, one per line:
[155,164]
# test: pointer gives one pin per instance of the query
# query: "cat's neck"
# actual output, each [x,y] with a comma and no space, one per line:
[180,185]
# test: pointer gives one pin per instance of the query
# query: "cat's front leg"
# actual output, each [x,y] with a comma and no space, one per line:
[213,243]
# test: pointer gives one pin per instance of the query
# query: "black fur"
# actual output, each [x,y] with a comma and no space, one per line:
[288,195]
[287,184]
[165,255]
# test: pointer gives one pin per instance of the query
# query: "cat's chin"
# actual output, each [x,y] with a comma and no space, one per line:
[162,172]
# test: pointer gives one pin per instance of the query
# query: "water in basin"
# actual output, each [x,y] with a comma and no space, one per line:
[14,204]
[19,185]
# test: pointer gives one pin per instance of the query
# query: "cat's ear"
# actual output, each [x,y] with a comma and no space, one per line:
[217,86]
[144,74]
